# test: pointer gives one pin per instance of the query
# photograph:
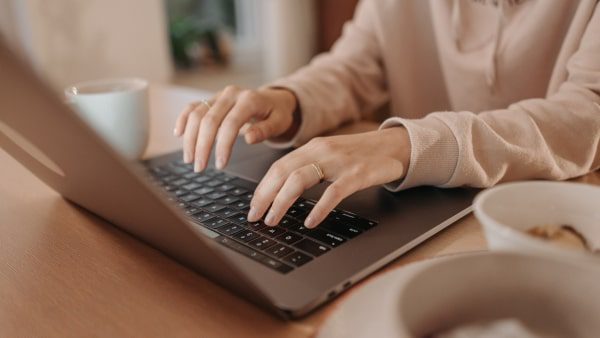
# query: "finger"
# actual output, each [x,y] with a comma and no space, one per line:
[333,195]
[263,130]
[272,182]
[242,111]
[297,182]
[182,119]
[189,136]
[209,126]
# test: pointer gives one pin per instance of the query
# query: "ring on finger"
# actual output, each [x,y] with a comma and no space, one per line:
[206,103]
[319,171]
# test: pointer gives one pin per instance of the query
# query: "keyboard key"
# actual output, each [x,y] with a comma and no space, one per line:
[158,172]
[228,200]
[216,195]
[246,236]
[247,197]
[204,191]
[225,177]
[351,219]
[275,264]
[311,247]
[297,213]
[297,258]
[288,222]
[168,178]
[214,207]
[262,243]
[226,212]
[215,223]
[238,191]
[191,186]
[326,237]
[300,229]
[239,218]
[240,205]
[182,205]
[253,254]
[202,203]
[177,170]
[226,187]
[192,210]
[190,175]
[345,229]
[180,182]
[289,237]
[272,231]
[279,250]
[189,198]
[201,179]
[255,225]
[213,183]
[305,205]
[170,187]
[179,192]
[229,228]
[202,216]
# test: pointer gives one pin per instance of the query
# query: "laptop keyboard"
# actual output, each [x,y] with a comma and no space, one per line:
[220,202]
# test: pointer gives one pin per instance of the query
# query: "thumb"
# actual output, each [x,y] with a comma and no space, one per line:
[262,130]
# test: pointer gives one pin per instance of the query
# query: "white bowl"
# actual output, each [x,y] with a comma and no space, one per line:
[508,210]
[558,298]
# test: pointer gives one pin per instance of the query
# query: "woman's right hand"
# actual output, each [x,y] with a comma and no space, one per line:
[269,113]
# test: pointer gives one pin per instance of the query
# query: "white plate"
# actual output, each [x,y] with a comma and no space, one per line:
[369,312]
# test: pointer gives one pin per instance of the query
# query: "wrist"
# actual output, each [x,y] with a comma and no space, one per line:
[397,145]
[287,105]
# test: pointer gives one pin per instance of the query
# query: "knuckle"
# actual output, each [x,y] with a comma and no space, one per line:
[232,122]
[296,177]
[210,119]
[231,89]
[278,168]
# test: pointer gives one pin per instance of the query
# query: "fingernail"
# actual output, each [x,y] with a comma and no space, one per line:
[186,158]
[220,163]
[308,222]
[270,219]
[175,132]
[197,166]
[253,215]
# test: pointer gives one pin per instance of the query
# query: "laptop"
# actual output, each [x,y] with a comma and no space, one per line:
[199,219]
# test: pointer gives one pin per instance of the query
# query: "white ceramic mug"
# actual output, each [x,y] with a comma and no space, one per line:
[117,109]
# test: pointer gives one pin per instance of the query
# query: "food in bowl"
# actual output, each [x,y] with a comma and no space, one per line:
[563,235]
[508,211]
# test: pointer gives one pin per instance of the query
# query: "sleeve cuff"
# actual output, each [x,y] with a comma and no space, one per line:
[434,152]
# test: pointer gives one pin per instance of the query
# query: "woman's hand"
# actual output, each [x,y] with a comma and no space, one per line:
[268,111]
[350,162]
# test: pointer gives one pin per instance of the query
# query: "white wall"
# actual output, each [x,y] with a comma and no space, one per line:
[75,40]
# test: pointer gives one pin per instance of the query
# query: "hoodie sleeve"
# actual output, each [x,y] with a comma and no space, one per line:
[557,137]
[342,85]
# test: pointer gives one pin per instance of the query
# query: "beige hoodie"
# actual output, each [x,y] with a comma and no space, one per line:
[489,90]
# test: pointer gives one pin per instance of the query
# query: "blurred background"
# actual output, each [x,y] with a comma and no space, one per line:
[206,44]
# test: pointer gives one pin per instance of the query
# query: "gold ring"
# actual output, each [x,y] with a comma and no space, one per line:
[319,171]
[205,102]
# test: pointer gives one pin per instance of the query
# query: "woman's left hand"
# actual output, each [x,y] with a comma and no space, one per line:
[350,162]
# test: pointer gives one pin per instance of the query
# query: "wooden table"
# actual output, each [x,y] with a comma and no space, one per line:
[64,272]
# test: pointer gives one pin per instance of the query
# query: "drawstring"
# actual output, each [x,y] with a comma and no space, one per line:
[456,26]
[490,71]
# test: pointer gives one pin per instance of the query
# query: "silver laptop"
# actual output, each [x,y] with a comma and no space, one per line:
[200,219]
